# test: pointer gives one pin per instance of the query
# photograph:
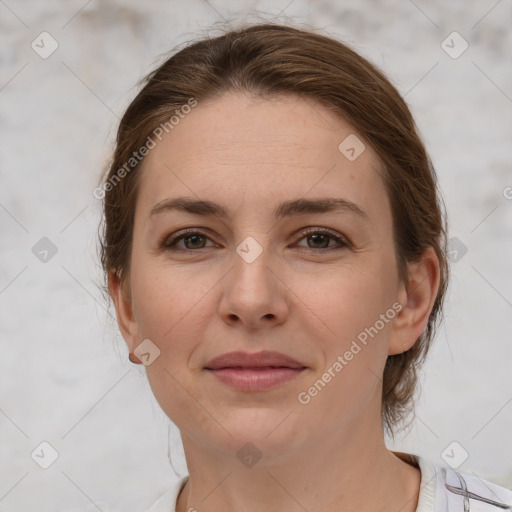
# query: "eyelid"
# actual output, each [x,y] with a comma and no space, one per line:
[338,237]
[168,241]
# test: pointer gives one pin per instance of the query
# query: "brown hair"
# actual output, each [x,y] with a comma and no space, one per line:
[266,59]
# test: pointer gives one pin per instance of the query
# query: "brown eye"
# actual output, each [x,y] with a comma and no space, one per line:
[320,240]
[191,239]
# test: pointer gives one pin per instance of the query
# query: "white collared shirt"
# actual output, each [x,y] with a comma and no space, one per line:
[442,489]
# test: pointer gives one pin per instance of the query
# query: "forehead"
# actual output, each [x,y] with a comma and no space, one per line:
[261,150]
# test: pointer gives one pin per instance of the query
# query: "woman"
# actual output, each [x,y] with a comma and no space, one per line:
[275,250]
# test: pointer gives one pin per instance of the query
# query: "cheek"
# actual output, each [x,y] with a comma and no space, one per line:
[172,311]
[343,321]
[168,300]
[343,299]
[181,401]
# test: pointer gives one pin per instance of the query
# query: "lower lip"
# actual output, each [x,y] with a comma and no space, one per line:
[250,379]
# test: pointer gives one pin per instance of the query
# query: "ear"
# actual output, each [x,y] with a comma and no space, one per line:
[417,298]
[121,297]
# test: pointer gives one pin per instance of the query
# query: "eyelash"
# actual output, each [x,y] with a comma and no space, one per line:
[170,244]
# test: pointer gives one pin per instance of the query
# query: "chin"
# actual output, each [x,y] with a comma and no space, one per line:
[267,432]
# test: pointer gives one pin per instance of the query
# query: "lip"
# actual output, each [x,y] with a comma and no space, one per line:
[258,371]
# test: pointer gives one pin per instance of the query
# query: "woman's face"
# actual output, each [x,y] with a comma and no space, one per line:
[275,273]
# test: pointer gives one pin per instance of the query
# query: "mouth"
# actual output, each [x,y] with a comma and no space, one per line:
[254,372]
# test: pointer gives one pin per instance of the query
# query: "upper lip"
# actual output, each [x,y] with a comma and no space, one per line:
[263,359]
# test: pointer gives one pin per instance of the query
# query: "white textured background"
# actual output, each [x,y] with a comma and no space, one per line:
[64,374]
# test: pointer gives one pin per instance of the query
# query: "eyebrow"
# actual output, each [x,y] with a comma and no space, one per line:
[285,209]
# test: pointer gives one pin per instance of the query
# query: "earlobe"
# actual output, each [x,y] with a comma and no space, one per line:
[417,298]
[124,311]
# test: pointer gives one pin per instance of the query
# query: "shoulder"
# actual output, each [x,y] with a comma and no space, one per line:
[167,501]
[445,490]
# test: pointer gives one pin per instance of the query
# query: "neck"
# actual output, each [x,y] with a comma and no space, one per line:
[351,471]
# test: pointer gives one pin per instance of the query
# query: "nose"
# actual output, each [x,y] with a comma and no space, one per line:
[254,293]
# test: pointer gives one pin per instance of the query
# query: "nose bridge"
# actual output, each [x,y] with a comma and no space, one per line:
[253,293]
[252,264]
